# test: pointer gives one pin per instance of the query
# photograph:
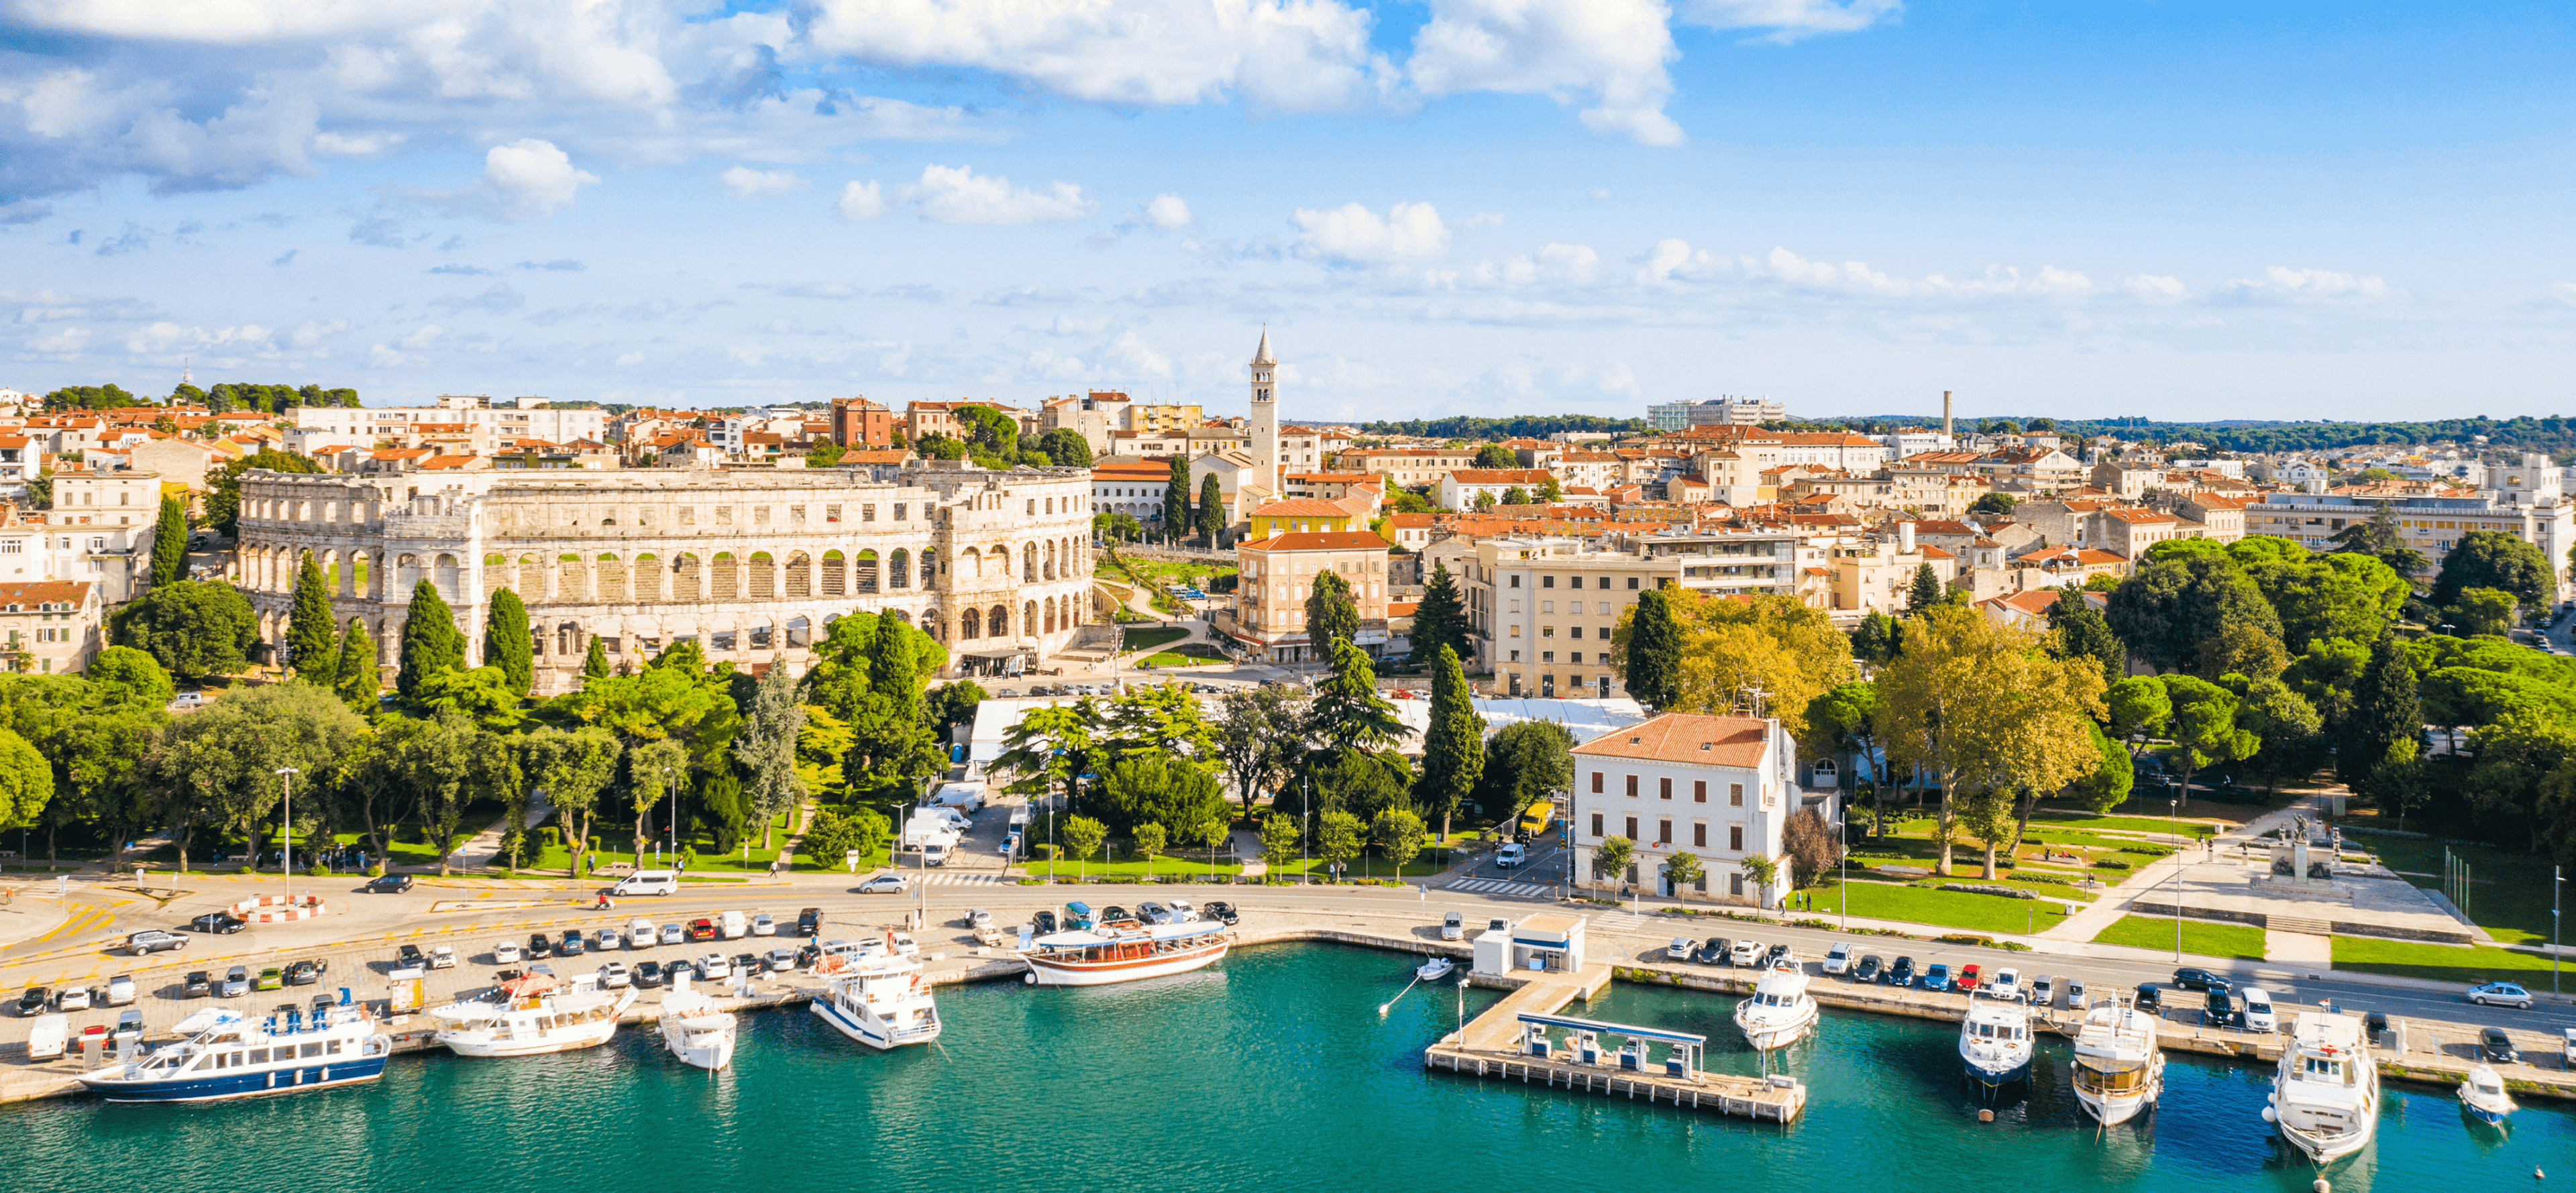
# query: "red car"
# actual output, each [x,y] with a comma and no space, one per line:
[1967,977]
[702,929]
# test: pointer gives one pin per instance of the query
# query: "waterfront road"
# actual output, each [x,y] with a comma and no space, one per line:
[363,931]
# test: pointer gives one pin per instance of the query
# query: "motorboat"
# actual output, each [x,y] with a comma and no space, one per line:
[1779,1012]
[695,1029]
[2119,1070]
[1124,952]
[2483,1096]
[1434,969]
[1995,1044]
[881,1000]
[2325,1098]
[226,1054]
[528,1016]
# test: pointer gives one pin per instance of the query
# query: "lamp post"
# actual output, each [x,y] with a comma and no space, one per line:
[286,838]
[2554,881]
[2173,805]
[671,783]
[1306,830]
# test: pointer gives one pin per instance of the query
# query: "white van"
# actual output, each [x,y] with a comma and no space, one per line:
[648,882]
[2258,1011]
[934,852]
[639,933]
[966,797]
[45,1039]
[946,816]
[733,925]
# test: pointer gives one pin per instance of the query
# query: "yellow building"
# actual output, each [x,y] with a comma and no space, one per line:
[1306,515]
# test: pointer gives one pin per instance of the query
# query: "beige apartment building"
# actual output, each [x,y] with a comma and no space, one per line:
[1408,467]
[1542,611]
[1278,574]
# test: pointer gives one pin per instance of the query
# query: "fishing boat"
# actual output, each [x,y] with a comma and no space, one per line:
[528,1016]
[226,1054]
[1124,951]
[1994,1040]
[1779,1012]
[1434,969]
[879,999]
[2483,1096]
[2119,1070]
[695,1029]
[2325,1098]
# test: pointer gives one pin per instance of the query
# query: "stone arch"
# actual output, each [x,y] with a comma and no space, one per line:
[800,632]
[1028,563]
[362,583]
[997,622]
[572,580]
[970,563]
[688,580]
[449,578]
[532,577]
[967,623]
[764,576]
[496,573]
[611,577]
[800,582]
[866,577]
[933,625]
[1047,608]
[724,578]
[1050,559]
[899,569]
[836,574]
[645,577]
[1028,619]
[900,615]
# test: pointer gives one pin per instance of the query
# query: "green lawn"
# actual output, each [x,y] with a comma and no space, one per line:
[2508,892]
[2443,963]
[2124,824]
[1096,868]
[1145,639]
[1196,654]
[2199,937]
[1948,909]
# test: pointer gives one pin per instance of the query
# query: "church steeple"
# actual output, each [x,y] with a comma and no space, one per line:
[1265,412]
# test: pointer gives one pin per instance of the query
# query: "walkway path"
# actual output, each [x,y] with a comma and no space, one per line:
[2088,923]
[487,844]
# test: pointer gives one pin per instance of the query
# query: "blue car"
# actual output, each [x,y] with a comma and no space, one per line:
[1937,977]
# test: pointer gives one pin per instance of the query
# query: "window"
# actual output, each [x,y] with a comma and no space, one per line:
[1547,656]
[1663,832]
[868,512]
[1516,655]
[796,515]
[1574,657]
[1574,632]
[898,511]
[831,513]
[1596,782]
[1699,791]
[1547,631]
[1664,788]
[1547,581]
[1735,795]
[1632,828]
[1632,786]
[1516,580]
[1735,837]
[724,515]
[760,515]
[1547,606]
[1699,835]
[1596,824]
[1632,584]
[688,515]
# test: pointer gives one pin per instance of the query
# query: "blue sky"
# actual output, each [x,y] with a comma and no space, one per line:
[1468,206]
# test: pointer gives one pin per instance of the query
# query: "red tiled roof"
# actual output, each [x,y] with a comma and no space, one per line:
[1685,738]
[1320,541]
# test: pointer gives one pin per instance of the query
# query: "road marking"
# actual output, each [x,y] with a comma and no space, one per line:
[1492,886]
[972,880]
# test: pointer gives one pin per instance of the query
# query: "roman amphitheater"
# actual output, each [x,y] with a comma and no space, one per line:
[750,563]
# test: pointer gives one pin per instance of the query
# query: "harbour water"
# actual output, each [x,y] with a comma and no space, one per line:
[1272,1066]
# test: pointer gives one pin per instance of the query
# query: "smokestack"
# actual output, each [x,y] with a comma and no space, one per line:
[1945,414]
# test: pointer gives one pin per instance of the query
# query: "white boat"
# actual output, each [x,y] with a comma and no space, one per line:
[230,1055]
[695,1029]
[1779,1012]
[1994,1040]
[2483,1095]
[2325,1099]
[1124,952]
[879,999]
[529,1016]
[2119,1070]
[1434,969]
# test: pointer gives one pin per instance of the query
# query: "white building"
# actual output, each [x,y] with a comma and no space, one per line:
[1726,411]
[1719,788]
[489,421]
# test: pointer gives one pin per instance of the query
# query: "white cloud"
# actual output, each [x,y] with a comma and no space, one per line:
[1674,260]
[1790,20]
[743,182]
[1553,263]
[1163,211]
[2279,284]
[2564,292]
[65,340]
[1354,235]
[2151,287]
[958,195]
[528,178]
[382,357]
[355,144]
[1611,52]
[630,358]
[860,201]
[423,337]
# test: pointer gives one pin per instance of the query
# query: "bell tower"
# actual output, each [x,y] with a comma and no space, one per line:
[1265,413]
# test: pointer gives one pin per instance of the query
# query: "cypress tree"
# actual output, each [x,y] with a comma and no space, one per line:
[2386,720]
[1926,592]
[1440,621]
[506,643]
[358,678]
[1331,615]
[170,543]
[1453,748]
[1654,652]
[1211,512]
[310,644]
[595,664]
[431,642]
[1176,498]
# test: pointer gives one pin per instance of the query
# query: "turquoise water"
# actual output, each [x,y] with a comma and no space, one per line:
[1273,1067]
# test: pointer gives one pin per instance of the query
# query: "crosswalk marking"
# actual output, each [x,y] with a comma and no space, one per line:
[1493,886]
[972,880]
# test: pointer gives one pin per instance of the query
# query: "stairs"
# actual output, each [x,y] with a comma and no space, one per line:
[2304,927]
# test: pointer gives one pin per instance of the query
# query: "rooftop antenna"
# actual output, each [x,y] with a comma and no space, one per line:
[187,376]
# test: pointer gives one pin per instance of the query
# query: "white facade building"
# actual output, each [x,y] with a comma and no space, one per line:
[1719,788]
[489,421]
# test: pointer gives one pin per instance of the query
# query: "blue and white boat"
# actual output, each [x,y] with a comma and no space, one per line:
[226,1054]
[881,1000]
[2483,1096]
[1995,1043]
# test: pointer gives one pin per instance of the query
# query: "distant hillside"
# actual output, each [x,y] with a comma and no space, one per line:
[2555,435]
[1534,426]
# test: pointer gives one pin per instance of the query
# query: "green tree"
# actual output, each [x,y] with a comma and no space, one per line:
[1259,737]
[1398,835]
[1279,840]
[357,679]
[2113,774]
[1082,838]
[2080,631]
[2175,607]
[309,641]
[218,766]
[2385,727]
[1066,447]
[1347,711]
[765,749]
[1339,838]
[2138,705]
[1050,747]
[170,543]
[1440,620]
[1148,788]
[832,837]
[1551,490]
[2208,726]
[2494,559]
[954,704]
[1332,617]
[193,628]
[1926,591]
[223,485]
[594,662]
[2291,730]
[720,808]
[1516,495]
[1484,500]
[1176,497]
[1453,747]
[431,642]
[1992,503]
[507,643]
[2484,611]
[1654,652]
[482,694]
[2384,539]
[1211,509]
[1116,528]
[823,453]
[1495,455]
[26,782]
[1612,857]
[1873,641]
[1150,840]
[573,768]
[1524,763]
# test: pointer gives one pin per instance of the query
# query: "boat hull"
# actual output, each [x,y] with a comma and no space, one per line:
[2323,1148]
[2113,1109]
[701,1049]
[872,1031]
[225,1086]
[564,1039]
[1050,972]
[2487,1115]
[1996,1074]
[1772,1037]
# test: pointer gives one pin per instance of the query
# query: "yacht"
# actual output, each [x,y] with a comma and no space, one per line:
[2119,1071]
[1780,1012]
[225,1054]
[881,1000]
[2483,1095]
[695,1029]
[1994,1040]
[1124,951]
[530,1015]
[1434,969]
[2325,1099]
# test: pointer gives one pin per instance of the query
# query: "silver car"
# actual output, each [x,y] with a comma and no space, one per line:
[674,934]
[615,976]
[606,940]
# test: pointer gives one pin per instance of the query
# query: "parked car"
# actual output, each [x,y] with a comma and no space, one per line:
[2006,984]
[1937,977]
[2501,994]
[1969,979]
[979,920]
[713,966]
[442,957]
[120,990]
[154,940]
[809,921]
[216,923]
[539,948]
[883,884]
[2376,1024]
[2222,1010]
[1154,913]
[781,960]
[615,976]
[1865,971]
[2075,993]
[505,953]
[2043,989]
[1680,949]
[1453,926]
[1746,953]
[1838,959]
[639,933]
[1215,909]
[2495,1047]
[763,925]
[1713,951]
[702,929]
[72,998]
[129,1026]
[1901,973]
[321,1006]
[2199,979]
[749,965]
[1043,922]
[271,978]
[606,940]
[674,934]
[2255,1011]
[572,945]
[388,884]
[198,984]
[648,975]
[2150,997]
[307,972]
[236,983]
[1777,954]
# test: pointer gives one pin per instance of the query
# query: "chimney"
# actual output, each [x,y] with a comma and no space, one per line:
[1905,538]
[1945,414]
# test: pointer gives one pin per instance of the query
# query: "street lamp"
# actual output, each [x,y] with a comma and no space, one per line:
[286,784]
[2174,806]
[2554,882]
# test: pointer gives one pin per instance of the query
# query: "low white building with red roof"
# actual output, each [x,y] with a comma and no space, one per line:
[1721,788]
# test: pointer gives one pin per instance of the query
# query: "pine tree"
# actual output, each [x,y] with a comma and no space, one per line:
[1654,652]
[1347,712]
[1176,498]
[431,642]
[357,679]
[1331,615]
[2387,718]
[1440,621]
[170,543]
[1211,512]
[506,643]
[765,747]
[1453,748]
[1926,591]
[594,664]
[309,640]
